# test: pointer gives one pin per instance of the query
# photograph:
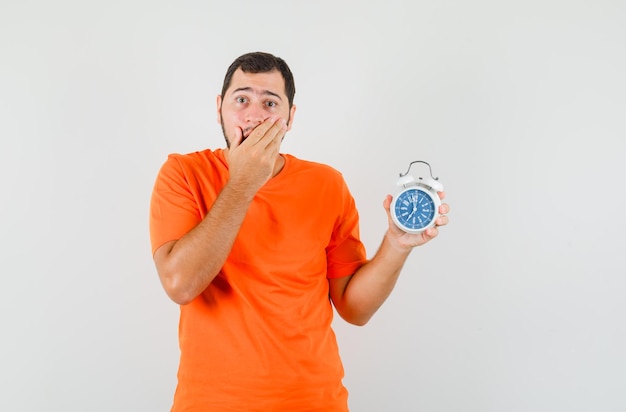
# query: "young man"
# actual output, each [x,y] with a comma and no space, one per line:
[256,246]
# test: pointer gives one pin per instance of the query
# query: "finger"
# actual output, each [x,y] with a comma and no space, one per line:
[260,131]
[387,207]
[431,233]
[275,134]
[237,137]
[442,195]
[442,221]
[387,203]
[444,208]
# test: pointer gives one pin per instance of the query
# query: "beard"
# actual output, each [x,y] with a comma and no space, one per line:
[224,130]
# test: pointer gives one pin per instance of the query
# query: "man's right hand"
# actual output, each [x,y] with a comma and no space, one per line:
[254,159]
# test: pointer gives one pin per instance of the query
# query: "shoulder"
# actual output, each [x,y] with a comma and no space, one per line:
[194,162]
[325,179]
[322,170]
[198,158]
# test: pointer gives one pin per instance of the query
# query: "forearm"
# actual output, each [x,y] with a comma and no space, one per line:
[373,282]
[193,261]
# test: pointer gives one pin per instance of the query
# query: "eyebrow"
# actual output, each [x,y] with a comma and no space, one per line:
[263,92]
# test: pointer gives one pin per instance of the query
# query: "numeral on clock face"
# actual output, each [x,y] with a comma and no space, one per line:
[414,209]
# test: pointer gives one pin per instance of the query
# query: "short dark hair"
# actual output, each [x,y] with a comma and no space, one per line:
[260,62]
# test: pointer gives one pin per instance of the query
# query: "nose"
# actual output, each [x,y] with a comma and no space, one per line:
[255,114]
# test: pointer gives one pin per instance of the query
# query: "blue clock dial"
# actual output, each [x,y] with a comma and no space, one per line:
[414,209]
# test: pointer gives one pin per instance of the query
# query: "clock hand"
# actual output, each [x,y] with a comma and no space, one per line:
[412,212]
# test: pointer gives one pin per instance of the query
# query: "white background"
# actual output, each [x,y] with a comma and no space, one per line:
[519,107]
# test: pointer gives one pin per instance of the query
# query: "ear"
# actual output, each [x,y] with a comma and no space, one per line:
[292,113]
[219,108]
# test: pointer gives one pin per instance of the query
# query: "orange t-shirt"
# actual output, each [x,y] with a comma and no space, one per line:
[259,337]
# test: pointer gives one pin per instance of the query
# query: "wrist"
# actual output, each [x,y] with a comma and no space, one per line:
[241,189]
[395,242]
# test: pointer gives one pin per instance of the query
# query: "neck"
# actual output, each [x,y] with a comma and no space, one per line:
[278,165]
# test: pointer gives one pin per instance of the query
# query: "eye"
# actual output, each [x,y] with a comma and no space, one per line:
[241,100]
[271,104]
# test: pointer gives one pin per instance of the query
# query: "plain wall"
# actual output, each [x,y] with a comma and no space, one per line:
[518,106]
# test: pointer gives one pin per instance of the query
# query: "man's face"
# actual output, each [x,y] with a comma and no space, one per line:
[250,99]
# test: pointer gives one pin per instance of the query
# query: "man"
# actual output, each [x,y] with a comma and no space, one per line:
[256,246]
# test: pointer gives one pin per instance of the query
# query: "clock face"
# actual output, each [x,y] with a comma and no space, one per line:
[413,210]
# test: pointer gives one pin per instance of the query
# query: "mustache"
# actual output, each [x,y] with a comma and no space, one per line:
[245,133]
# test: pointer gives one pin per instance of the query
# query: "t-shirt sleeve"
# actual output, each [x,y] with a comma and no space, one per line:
[345,252]
[173,209]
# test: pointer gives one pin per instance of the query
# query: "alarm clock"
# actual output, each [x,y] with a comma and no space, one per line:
[415,207]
